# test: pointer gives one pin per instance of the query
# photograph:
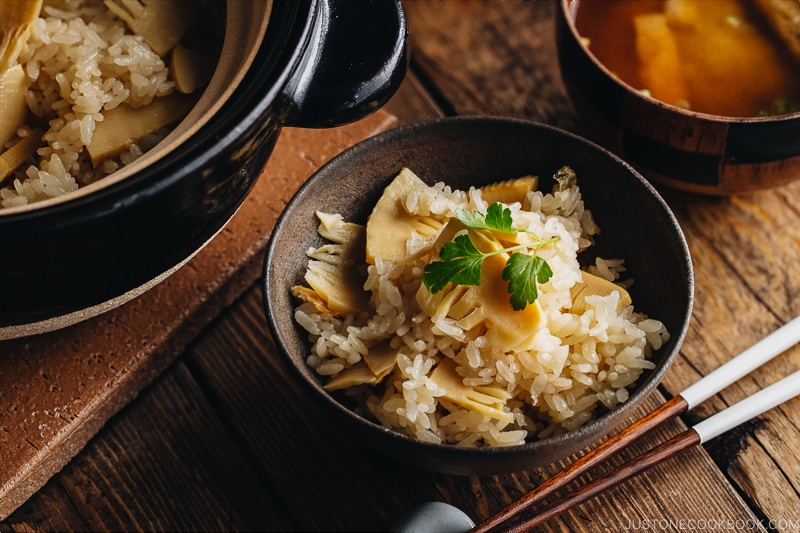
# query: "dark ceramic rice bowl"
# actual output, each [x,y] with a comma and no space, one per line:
[636,224]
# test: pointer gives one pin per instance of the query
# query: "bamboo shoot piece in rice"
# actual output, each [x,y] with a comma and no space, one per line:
[509,191]
[487,401]
[190,70]
[162,23]
[13,106]
[107,79]
[390,225]
[376,364]
[14,157]
[592,285]
[16,17]
[381,359]
[358,374]
[337,284]
[124,125]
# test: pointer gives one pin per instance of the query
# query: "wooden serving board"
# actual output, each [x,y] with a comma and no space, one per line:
[58,389]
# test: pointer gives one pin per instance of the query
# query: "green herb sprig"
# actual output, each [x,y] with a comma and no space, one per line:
[461,261]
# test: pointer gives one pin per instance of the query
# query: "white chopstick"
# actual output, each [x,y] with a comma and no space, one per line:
[749,408]
[764,350]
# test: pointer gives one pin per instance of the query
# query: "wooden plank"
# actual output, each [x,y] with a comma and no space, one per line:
[746,251]
[496,58]
[145,451]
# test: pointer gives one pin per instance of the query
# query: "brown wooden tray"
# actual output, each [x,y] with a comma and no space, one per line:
[58,389]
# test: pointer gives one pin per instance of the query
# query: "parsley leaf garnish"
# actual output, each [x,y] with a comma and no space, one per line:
[496,219]
[461,261]
[522,271]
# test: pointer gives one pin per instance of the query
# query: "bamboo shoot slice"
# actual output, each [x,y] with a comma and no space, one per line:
[337,284]
[377,363]
[190,70]
[16,17]
[509,191]
[487,303]
[333,284]
[506,327]
[595,285]
[13,106]
[125,125]
[485,400]
[14,157]
[358,374]
[390,226]
[162,23]
[335,229]
[310,295]
[381,359]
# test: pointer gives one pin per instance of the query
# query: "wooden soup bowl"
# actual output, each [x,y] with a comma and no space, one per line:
[687,150]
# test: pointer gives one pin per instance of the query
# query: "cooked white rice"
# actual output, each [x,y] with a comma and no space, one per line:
[81,60]
[579,364]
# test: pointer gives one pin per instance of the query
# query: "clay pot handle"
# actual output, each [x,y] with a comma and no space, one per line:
[356,60]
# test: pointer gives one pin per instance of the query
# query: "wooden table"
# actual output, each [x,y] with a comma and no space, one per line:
[218,437]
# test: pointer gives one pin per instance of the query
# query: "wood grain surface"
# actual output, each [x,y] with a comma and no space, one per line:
[223,439]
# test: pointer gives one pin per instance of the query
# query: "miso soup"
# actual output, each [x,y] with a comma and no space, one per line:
[720,57]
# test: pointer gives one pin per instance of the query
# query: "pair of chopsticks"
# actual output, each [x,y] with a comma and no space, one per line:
[755,356]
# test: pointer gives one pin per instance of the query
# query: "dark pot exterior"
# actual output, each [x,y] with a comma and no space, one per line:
[322,63]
